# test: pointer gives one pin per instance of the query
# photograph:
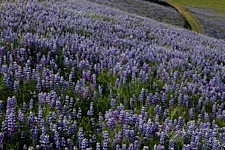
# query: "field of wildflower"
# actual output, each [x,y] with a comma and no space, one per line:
[79,75]
[151,10]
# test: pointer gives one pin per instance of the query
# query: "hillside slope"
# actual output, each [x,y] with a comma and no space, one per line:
[213,24]
[147,9]
[209,13]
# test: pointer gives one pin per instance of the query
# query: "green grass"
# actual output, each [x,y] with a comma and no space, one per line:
[215,5]
[195,26]
[101,17]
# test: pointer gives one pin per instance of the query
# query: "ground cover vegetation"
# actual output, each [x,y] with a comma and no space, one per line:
[212,24]
[195,26]
[215,5]
[209,14]
[144,8]
[79,75]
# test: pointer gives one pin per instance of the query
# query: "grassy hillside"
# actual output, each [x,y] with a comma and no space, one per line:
[147,9]
[208,15]
[195,26]
[217,5]
[212,24]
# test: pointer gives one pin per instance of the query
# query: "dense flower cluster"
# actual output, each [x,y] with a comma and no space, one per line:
[77,75]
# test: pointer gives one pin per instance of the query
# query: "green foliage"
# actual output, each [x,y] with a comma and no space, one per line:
[214,5]
[100,17]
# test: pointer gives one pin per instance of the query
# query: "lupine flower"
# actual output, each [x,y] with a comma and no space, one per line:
[105,140]
[171,102]
[31,119]
[124,147]
[84,144]
[35,136]
[60,58]
[207,118]
[69,143]
[98,146]
[44,141]
[136,144]
[145,148]
[1,140]
[171,145]
[91,110]
[180,122]
[57,144]
[164,98]
[191,114]
[79,113]
[80,136]
[162,138]
[63,142]
[100,90]
[131,146]
[141,96]
[118,147]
